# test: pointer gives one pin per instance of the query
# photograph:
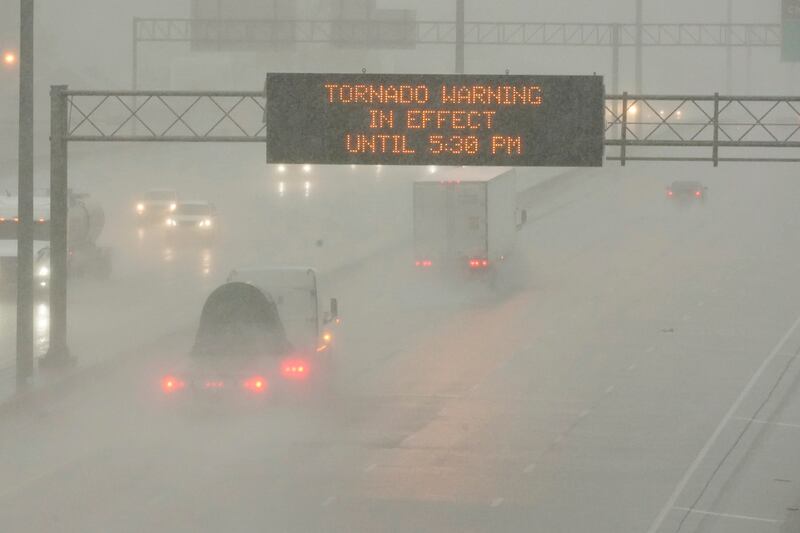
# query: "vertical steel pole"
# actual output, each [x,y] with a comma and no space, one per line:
[715,149]
[639,47]
[459,36]
[134,68]
[624,135]
[615,59]
[58,355]
[729,51]
[24,367]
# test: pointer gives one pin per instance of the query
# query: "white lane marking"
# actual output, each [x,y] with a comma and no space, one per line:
[528,469]
[497,501]
[610,389]
[728,515]
[329,500]
[771,423]
[670,504]
[370,468]
[584,413]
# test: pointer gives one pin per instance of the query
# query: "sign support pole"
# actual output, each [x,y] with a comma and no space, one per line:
[24,364]
[58,355]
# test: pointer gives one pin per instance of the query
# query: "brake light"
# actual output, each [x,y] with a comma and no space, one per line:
[256,384]
[697,193]
[294,369]
[669,193]
[424,263]
[478,263]
[172,384]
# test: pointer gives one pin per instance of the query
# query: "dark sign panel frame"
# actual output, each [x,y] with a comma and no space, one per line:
[423,119]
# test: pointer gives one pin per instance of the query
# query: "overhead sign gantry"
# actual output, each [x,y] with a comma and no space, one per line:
[419,119]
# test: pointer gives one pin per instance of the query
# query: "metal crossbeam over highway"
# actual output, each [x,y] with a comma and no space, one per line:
[444,32]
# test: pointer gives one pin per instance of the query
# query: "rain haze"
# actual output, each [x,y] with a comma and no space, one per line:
[400,266]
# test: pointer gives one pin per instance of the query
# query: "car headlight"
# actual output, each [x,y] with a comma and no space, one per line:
[172,222]
[140,208]
[43,272]
[173,206]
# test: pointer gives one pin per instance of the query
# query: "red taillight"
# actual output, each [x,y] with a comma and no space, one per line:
[256,384]
[669,193]
[424,263]
[214,384]
[171,384]
[697,193]
[294,369]
[478,263]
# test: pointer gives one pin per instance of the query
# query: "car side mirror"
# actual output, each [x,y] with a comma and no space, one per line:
[333,314]
[522,218]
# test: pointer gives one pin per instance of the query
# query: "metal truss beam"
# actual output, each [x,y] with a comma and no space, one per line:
[677,127]
[354,32]
[673,124]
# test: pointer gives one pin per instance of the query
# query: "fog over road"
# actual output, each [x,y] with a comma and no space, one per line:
[572,394]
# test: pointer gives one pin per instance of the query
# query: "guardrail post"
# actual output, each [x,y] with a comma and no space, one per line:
[58,356]
[624,135]
[715,148]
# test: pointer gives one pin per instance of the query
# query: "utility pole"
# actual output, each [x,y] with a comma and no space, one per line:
[459,36]
[24,366]
[639,46]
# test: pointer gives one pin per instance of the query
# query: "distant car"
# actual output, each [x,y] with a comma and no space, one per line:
[156,204]
[192,218]
[687,190]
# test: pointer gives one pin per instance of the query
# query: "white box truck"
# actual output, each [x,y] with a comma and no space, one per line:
[466,217]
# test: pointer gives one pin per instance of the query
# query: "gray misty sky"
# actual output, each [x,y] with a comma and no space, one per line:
[88,43]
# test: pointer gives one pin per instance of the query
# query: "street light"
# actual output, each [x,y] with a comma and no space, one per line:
[9,58]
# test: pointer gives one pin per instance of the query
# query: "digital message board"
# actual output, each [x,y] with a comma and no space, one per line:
[399,119]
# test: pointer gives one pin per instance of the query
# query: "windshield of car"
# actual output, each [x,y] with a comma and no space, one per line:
[194,209]
[159,196]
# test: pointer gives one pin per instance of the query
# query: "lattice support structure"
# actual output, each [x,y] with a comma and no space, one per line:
[703,128]
[444,32]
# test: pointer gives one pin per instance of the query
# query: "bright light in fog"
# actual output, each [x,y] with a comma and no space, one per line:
[679,113]
[281,168]
[10,58]
[307,188]
[306,168]
[432,169]
[281,188]
[42,319]
[378,168]
[632,110]
[353,167]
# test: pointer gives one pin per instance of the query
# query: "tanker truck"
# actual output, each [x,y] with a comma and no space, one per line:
[84,224]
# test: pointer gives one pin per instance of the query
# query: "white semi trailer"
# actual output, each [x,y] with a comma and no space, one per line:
[466,218]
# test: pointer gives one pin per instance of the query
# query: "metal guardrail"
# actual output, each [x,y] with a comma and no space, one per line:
[444,32]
